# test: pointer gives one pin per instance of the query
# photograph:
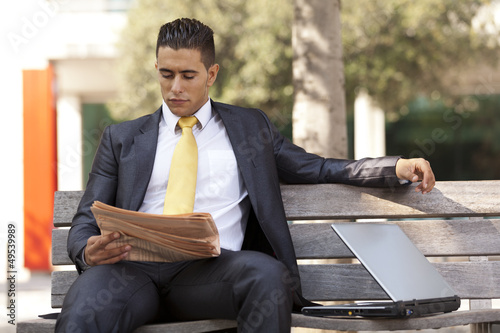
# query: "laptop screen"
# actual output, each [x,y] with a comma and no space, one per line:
[394,261]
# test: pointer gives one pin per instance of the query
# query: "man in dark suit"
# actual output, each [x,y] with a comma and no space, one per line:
[242,159]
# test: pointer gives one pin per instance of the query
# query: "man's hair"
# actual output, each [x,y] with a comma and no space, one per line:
[188,34]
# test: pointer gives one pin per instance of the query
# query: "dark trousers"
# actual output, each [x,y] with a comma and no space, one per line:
[248,286]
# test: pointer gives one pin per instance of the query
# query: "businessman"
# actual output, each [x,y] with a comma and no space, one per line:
[241,160]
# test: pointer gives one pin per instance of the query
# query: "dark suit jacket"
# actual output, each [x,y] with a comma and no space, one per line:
[124,162]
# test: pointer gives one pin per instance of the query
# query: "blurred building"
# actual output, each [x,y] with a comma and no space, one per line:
[58,71]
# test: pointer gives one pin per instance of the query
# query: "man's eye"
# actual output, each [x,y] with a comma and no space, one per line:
[187,77]
[167,76]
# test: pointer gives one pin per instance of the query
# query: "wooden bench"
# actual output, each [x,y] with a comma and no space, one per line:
[458,223]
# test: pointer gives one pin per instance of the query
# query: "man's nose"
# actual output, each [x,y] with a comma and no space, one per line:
[177,86]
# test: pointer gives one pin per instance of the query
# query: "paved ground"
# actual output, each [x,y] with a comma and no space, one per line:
[32,298]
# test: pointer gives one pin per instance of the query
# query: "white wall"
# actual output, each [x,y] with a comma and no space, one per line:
[369,127]
[11,132]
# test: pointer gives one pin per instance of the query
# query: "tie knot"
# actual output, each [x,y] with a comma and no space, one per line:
[187,121]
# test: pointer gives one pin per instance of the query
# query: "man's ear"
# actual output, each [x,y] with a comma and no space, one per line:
[212,74]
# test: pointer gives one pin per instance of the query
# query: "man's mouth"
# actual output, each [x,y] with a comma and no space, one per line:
[177,101]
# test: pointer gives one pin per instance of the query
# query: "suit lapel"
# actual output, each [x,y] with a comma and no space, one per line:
[145,145]
[238,136]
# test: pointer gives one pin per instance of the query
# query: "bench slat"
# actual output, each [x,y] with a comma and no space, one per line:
[337,201]
[60,283]
[437,238]
[429,322]
[65,205]
[352,281]
[59,247]
[447,199]
[451,319]
[198,326]
[475,237]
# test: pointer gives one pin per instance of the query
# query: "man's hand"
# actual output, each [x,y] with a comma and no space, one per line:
[97,251]
[416,169]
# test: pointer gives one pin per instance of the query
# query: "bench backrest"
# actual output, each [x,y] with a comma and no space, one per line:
[458,223]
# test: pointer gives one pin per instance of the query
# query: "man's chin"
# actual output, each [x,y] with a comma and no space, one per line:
[180,111]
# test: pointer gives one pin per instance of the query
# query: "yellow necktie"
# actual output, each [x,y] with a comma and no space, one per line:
[181,187]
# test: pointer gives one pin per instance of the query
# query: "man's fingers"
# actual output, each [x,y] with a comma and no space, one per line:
[99,252]
[107,256]
[112,257]
[428,179]
[102,241]
[106,239]
[414,170]
[426,185]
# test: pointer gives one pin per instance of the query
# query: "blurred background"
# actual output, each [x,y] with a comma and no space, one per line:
[418,79]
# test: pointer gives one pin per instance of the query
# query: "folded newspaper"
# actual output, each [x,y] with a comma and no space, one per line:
[165,238]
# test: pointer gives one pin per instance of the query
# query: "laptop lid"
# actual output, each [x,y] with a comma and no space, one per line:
[393,261]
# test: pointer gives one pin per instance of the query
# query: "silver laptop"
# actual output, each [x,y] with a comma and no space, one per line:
[414,285]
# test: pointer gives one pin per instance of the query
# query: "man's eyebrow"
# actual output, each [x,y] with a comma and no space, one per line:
[192,71]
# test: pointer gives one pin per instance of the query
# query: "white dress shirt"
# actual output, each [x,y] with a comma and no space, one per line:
[220,190]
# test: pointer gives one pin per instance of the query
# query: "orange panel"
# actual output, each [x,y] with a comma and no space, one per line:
[40,166]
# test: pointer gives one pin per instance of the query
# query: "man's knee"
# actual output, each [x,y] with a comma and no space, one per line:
[271,271]
[271,283]
[102,294]
[271,299]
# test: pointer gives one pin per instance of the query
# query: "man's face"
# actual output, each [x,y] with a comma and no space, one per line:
[184,80]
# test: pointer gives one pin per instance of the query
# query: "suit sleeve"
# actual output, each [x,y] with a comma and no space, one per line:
[101,186]
[297,166]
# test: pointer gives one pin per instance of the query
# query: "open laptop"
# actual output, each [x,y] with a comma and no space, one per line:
[408,278]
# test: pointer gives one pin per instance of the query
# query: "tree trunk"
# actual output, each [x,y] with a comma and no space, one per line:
[319,115]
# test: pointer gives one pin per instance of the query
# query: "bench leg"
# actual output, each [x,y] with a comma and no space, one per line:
[485,328]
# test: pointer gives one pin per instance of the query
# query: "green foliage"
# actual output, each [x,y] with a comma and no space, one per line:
[398,49]
[253,49]
[460,143]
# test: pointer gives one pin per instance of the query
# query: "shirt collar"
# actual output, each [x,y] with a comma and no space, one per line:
[204,114]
